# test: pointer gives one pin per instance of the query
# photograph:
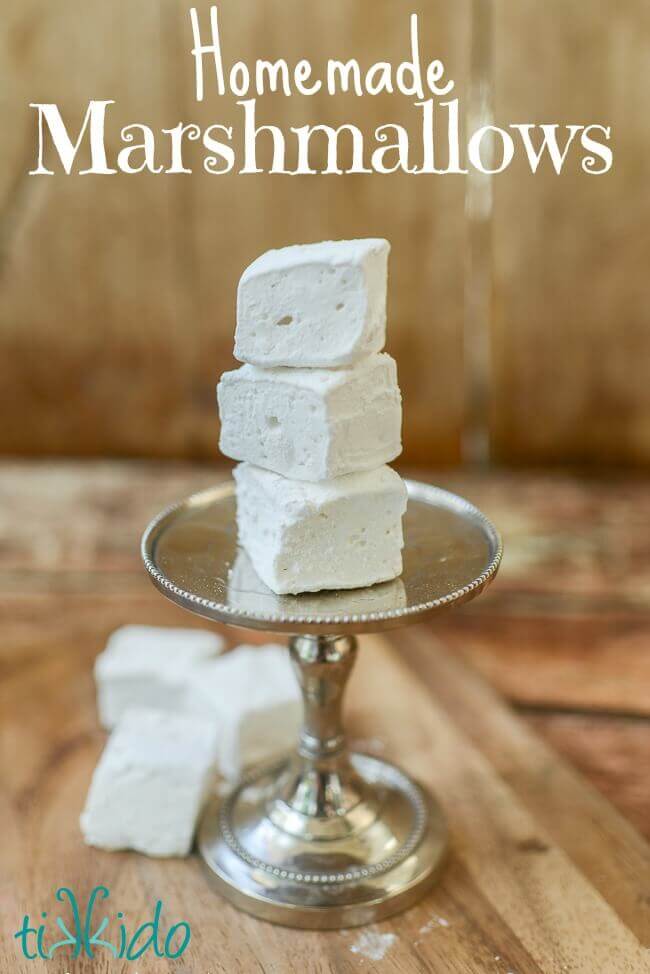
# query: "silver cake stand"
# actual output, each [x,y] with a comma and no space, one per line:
[323,838]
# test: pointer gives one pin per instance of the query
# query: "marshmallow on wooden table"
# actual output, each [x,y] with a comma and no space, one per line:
[305,537]
[312,424]
[150,784]
[145,666]
[320,304]
[253,695]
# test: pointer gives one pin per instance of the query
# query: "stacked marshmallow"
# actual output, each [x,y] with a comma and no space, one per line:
[315,415]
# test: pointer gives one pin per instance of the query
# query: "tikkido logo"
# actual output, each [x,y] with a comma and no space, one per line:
[37,941]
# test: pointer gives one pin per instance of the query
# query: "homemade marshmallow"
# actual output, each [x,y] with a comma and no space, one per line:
[150,783]
[320,304]
[304,537]
[253,695]
[312,424]
[248,593]
[145,666]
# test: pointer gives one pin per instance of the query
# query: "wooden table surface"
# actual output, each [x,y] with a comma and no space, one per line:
[548,873]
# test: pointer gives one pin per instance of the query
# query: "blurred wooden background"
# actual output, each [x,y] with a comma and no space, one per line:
[117,294]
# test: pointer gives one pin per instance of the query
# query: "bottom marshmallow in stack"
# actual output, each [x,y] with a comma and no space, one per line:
[182,716]
[332,534]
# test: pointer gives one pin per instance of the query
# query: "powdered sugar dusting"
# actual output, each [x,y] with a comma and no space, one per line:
[373,946]
[435,921]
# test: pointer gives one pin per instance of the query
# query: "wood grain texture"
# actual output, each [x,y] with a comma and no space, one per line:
[588,661]
[612,751]
[512,896]
[552,789]
[545,875]
[568,624]
[571,317]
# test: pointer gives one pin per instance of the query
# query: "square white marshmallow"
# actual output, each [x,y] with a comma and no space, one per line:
[312,424]
[301,537]
[150,784]
[320,304]
[248,593]
[146,666]
[253,694]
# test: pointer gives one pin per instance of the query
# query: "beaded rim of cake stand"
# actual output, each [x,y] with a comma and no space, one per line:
[416,491]
[388,775]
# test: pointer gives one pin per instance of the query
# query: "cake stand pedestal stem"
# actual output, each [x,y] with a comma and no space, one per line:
[323,665]
[320,796]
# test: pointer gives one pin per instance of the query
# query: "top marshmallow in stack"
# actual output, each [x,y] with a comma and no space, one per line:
[313,305]
[316,398]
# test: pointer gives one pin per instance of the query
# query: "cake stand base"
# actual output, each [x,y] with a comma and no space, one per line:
[323,839]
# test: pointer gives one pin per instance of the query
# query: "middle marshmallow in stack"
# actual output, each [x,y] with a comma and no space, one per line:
[316,414]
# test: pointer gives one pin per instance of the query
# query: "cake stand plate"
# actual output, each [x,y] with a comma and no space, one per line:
[322,838]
